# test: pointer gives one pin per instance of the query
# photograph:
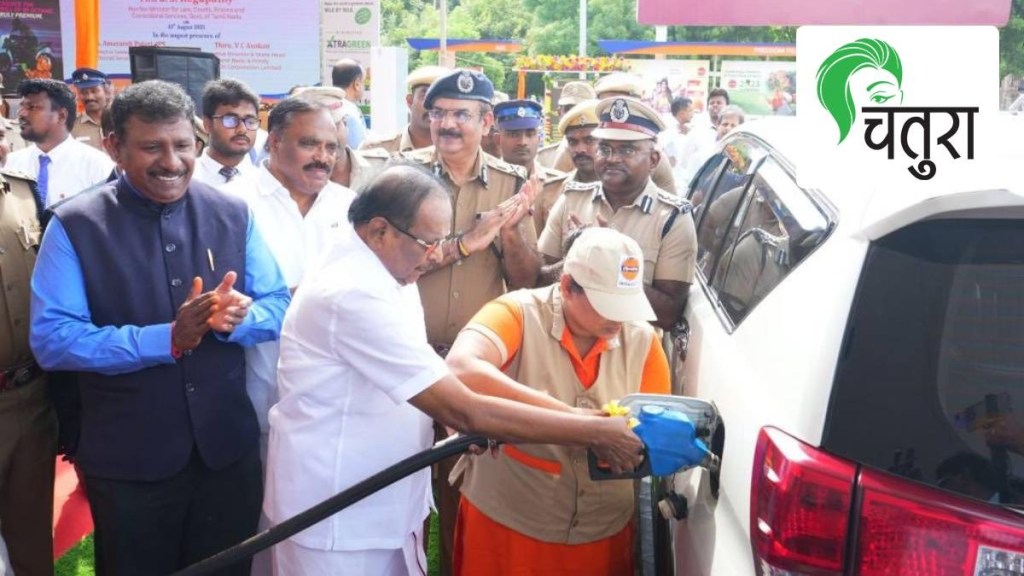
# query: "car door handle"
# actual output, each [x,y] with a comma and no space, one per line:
[681,337]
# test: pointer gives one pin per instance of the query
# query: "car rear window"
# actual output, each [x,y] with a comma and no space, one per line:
[930,380]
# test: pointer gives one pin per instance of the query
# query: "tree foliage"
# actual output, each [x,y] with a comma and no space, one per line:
[552,27]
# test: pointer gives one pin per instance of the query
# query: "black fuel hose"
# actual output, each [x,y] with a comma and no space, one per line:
[334,504]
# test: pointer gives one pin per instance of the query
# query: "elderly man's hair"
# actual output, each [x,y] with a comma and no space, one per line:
[396,194]
[59,94]
[153,102]
[733,110]
[282,114]
[227,91]
[345,72]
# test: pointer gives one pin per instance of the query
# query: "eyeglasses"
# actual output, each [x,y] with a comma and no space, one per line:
[430,247]
[232,120]
[459,116]
[626,152]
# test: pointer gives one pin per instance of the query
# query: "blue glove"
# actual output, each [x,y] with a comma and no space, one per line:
[670,438]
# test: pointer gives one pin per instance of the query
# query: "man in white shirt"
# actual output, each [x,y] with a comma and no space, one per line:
[299,212]
[230,117]
[61,165]
[674,138]
[359,385]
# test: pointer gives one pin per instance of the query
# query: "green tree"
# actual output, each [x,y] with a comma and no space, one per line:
[1011,42]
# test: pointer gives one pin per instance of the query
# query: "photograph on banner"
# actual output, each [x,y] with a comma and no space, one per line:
[30,42]
[665,80]
[349,29]
[761,88]
[877,105]
[254,43]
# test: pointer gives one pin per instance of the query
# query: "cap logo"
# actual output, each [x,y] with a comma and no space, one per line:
[521,112]
[629,272]
[465,83]
[619,111]
[85,76]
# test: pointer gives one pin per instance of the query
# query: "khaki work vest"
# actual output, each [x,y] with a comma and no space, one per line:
[544,491]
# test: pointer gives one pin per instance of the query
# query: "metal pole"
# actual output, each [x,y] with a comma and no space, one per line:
[583,34]
[443,51]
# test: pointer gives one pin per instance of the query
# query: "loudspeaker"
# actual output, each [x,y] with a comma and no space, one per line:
[188,67]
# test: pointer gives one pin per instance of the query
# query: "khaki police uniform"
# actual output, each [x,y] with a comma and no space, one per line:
[453,294]
[28,426]
[364,165]
[551,189]
[88,131]
[660,222]
[548,155]
[394,144]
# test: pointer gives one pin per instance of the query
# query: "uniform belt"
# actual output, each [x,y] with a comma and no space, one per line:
[441,349]
[18,376]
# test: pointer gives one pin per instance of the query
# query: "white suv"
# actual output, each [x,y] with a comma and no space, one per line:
[865,351]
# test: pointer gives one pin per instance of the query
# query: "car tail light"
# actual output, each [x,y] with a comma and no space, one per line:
[931,532]
[801,501]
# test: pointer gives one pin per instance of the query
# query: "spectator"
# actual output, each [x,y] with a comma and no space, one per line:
[169,445]
[61,165]
[348,75]
[231,118]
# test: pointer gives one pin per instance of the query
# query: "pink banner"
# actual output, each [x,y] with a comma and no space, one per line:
[822,12]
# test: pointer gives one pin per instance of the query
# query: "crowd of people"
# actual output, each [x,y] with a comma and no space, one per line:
[228,337]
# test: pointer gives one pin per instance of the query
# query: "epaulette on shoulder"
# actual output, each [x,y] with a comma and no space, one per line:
[551,176]
[502,166]
[420,155]
[376,154]
[678,202]
[574,186]
[8,173]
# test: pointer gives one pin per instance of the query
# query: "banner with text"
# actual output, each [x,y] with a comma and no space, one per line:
[349,29]
[264,44]
[761,88]
[664,80]
[30,41]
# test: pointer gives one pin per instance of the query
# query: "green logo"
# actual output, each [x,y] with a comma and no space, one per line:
[363,15]
[867,72]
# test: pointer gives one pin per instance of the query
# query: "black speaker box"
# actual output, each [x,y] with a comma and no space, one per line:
[188,67]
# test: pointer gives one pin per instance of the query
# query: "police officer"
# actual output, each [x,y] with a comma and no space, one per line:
[94,93]
[577,127]
[618,85]
[494,243]
[519,123]
[417,134]
[628,200]
[572,94]
[28,426]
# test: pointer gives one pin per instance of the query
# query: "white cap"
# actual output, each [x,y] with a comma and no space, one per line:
[610,267]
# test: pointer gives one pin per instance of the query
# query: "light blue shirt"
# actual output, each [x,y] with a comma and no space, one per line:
[63,336]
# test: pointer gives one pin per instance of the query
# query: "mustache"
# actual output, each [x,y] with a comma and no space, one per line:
[167,173]
[317,166]
[449,133]
[581,156]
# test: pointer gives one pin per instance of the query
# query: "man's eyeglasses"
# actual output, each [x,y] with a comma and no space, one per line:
[459,116]
[625,152]
[430,247]
[232,120]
